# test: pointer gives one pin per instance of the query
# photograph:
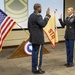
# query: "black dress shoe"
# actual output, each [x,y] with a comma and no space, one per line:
[42,70]
[65,64]
[39,72]
[69,65]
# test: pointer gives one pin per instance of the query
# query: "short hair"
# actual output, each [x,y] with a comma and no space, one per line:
[37,5]
[71,8]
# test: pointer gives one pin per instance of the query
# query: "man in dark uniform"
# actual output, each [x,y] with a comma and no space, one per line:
[35,26]
[69,35]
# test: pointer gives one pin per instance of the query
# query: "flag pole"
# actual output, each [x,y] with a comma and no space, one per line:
[22,28]
[55,10]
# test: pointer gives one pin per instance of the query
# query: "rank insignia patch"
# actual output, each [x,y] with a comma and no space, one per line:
[72,19]
[17,9]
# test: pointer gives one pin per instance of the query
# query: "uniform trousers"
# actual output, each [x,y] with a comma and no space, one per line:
[37,57]
[69,51]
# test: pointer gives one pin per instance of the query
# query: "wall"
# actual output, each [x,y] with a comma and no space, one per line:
[16,37]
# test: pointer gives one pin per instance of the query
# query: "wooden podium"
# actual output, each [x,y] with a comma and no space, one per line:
[20,51]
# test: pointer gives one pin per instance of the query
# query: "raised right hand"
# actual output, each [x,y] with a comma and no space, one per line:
[48,11]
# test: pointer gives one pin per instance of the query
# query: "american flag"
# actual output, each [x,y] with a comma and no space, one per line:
[6,25]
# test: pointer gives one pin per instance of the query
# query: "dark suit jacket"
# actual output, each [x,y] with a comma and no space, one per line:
[35,27]
[70,27]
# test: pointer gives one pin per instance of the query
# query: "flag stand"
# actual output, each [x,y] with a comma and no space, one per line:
[20,51]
